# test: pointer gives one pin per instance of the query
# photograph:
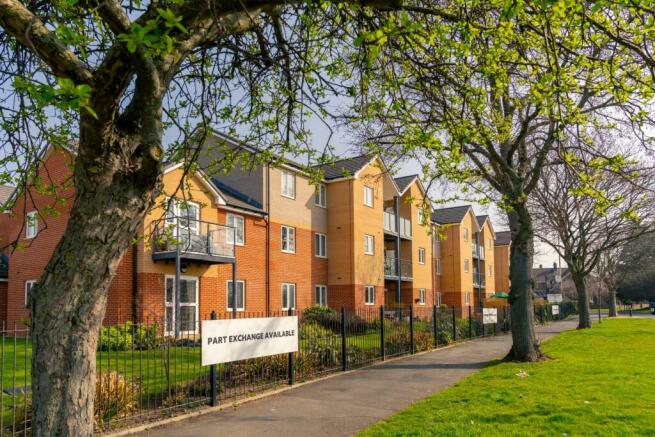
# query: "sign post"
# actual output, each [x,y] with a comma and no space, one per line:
[555,309]
[489,315]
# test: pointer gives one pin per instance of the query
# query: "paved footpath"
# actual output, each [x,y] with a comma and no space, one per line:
[345,404]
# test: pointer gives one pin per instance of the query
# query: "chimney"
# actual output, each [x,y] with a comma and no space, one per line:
[541,266]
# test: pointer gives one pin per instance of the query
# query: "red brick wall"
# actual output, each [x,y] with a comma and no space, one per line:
[352,297]
[3,301]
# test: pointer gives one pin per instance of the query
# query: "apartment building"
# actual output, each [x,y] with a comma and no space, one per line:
[483,260]
[501,255]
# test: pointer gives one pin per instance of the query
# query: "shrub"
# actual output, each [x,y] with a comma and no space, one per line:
[444,337]
[116,395]
[314,331]
[422,341]
[127,336]
[318,313]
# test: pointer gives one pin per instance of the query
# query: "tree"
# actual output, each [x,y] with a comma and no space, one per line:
[636,268]
[489,100]
[585,210]
[115,76]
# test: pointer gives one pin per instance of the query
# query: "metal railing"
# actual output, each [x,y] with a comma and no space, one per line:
[193,236]
[477,251]
[391,269]
[479,280]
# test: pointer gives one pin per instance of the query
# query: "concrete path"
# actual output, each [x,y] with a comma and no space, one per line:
[345,404]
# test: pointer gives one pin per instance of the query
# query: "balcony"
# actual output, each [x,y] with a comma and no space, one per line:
[477,251]
[195,241]
[390,225]
[391,269]
[479,280]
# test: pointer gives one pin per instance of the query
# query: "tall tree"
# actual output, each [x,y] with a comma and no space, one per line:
[586,210]
[636,269]
[488,100]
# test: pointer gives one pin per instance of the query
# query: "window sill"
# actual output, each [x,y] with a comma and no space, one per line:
[288,251]
[288,197]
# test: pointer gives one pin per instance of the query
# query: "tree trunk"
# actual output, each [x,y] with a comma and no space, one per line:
[112,198]
[583,300]
[612,310]
[524,341]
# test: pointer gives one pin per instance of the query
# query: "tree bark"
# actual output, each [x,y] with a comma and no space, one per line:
[613,312]
[116,183]
[524,341]
[583,300]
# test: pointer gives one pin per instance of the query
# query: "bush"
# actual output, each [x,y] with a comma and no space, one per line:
[422,341]
[116,395]
[444,337]
[314,331]
[318,313]
[127,337]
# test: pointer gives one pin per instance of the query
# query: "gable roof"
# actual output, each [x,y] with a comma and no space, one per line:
[503,238]
[481,221]
[241,145]
[347,167]
[455,214]
[237,199]
[404,182]
[5,193]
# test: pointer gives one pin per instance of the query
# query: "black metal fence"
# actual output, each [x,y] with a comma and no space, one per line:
[143,373]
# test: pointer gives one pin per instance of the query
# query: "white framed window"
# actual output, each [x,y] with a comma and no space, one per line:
[238,223]
[31,224]
[467,299]
[320,245]
[466,234]
[420,218]
[320,295]
[288,184]
[491,270]
[288,239]
[421,296]
[437,265]
[188,303]
[183,214]
[320,196]
[368,196]
[369,295]
[28,289]
[466,265]
[437,296]
[241,295]
[288,296]
[369,244]
[421,255]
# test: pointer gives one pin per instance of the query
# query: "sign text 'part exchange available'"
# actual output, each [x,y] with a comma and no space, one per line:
[239,339]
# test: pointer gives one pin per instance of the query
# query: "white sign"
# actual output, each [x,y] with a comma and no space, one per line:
[555,309]
[555,298]
[238,339]
[489,315]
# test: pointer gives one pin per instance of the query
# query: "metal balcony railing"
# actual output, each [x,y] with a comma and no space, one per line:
[391,269]
[193,236]
[477,251]
[478,280]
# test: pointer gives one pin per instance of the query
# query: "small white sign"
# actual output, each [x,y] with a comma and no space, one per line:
[555,309]
[554,298]
[238,339]
[489,315]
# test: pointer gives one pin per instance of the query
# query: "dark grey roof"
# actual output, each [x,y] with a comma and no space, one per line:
[239,144]
[4,266]
[454,214]
[237,199]
[503,238]
[5,193]
[404,181]
[481,219]
[344,167]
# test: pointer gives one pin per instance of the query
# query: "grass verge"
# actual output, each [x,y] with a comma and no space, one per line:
[598,382]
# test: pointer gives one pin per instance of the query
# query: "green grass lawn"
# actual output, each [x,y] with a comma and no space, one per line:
[598,382]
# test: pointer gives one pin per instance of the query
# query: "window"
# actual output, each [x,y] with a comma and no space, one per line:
[489,243]
[28,288]
[241,295]
[32,224]
[467,299]
[421,255]
[320,245]
[288,239]
[288,185]
[466,265]
[491,270]
[438,298]
[369,295]
[183,214]
[320,196]
[369,244]
[188,304]
[421,296]
[437,266]
[420,214]
[236,222]
[466,234]
[368,196]
[288,296]
[321,295]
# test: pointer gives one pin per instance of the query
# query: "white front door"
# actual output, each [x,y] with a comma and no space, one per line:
[188,321]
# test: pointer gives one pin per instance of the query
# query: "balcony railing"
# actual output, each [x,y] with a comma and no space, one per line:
[478,251]
[390,225]
[391,269]
[192,237]
[479,280]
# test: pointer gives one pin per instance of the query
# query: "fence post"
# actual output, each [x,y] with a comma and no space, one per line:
[454,325]
[411,328]
[630,310]
[470,323]
[434,326]
[291,370]
[343,339]
[212,377]
[382,332]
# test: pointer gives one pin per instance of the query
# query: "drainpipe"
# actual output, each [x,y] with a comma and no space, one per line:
[396,210]
[135,287]
[234,288]
[477,242]
[177,285]
[268,240]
